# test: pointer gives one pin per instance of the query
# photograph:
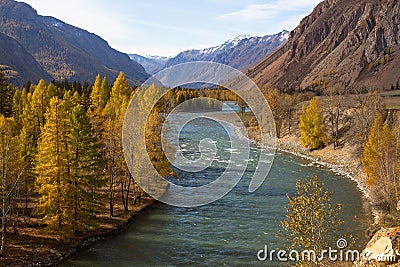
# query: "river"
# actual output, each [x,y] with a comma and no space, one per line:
[228,232]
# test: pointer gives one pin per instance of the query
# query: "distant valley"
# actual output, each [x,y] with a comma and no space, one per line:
[152,64]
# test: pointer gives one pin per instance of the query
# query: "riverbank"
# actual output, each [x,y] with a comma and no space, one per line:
[344,161]
[33,246]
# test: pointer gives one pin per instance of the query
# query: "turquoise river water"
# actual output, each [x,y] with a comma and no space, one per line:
[228,232]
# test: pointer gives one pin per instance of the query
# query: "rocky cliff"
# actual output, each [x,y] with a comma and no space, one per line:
[345,42]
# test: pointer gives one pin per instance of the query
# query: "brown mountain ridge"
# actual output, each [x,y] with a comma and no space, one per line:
[17,64]
[351,43]
[62,50]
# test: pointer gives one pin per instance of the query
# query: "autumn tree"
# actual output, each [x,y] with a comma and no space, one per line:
[98,100]
[396,133]
[96,93]
[19,100]
[11,168]
[380,163]
[40,102]
[367,107]
[281,107]
[242,104]
[53,91]
[114,113]
[151,123]
[334,110]
[87,167]
[29,136]
[53,168]
[153,143]
[312,125]
[312,219]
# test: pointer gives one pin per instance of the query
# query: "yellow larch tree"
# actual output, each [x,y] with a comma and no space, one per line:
[379,162]
[53,174]
[312,126]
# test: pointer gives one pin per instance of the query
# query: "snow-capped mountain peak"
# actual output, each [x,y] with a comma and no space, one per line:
[241,52]
[158,58]
[231,43]
[238,39]
[285,35]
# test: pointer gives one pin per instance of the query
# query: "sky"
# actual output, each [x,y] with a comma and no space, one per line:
[167,27]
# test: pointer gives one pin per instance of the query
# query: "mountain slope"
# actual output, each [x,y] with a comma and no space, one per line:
[64,51]
[152,64]
[341,42]
[18,64]
[242,52]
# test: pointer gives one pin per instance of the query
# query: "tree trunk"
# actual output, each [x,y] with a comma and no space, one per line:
[3,218]
[26,197]
[111,200]
[289,120]
[123,192]
[127,193]
[4,204]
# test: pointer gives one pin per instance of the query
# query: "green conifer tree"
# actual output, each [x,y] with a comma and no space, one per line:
[87,168]
[6,96]
[105,91]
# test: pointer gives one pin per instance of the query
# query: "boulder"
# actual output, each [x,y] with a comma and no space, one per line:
[383,246]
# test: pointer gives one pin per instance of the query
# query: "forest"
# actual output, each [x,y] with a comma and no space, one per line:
[367,122]
[62,161]
[61,155]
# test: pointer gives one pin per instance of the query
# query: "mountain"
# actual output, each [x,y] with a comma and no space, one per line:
[64,51]
[18,65]
[242,53]
[351,43]
[152,64]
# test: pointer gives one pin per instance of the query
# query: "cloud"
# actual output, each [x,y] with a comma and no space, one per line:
[167,27]
[274,9]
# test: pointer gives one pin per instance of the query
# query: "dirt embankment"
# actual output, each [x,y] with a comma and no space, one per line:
[342,161]
[32,245]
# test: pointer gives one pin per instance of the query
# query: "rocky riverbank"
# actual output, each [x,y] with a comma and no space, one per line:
[344,161]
